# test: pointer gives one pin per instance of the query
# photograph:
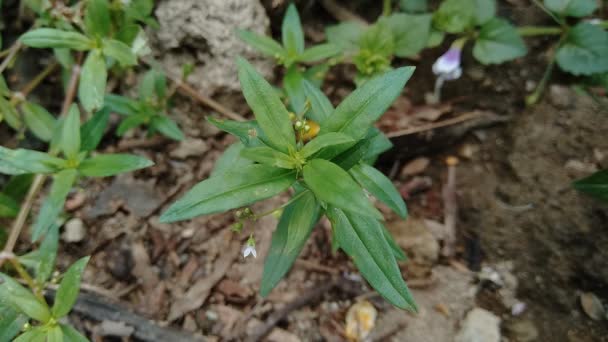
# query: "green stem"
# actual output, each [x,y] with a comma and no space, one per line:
[293,199]
[27,278]
[539,30]
[386,8]
[549,13]
[533,98]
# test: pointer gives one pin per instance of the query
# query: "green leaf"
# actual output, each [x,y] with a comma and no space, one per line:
[121,105]
[69,288]
[346,35]
[572,8]
[17,187]
[319,52]
[40,122]
[411,32]
[9,114]
[327,141]
[291,31]
[8,206]
[414,6]
[377,143]
[595,185]
[120,51]
[131,122]
[11,322]
[294,228]
[231,159]
[380,186]
[70,136]
[455,16]
[37,334]
[64,57]
[47,255]
[269,111]
[585,50]
[53,203]
[397,251]
[378,40]
[71,335]
[92,131]
[54,334]
[362,238]
[268,156]
[167,127]
[152,85]
[320,106]
[366,104]
[27,161]
[53,38]
[4,91]
[93,78]
[333,185]
[105,165]
[292,82]
[249,132]
[485,10]
[97,20]
[22,299]
[263,44]
[232,189]
[498,42]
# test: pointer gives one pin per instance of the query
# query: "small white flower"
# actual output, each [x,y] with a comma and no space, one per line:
[250,248]
[448,65]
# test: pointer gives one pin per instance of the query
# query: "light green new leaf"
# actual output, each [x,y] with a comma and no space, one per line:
[320,106]
[120,51]
[121,105]
[131,122]
[485,10]
[167,127]
[231,159]
[346,35]
[366,104]
[333,185]
[362,238]
[53,38]
[291,32]
[294,228]
[92,131]
[22,299]
[572,8]
[97,19]
[455,16]
[585,50]
[22,161]
[325,141]
[40,122]
[268,156]
[8,206]
[37,334]
[93,78]
[269,111]
[105,165]
[71,335]
[319,52]
[11,322]
[411,32]
[69,288]
[53,203]
[232,189]
[595,185]
[47,253]
[263,44]
[498,42]
[152,85]
[70,136]
[380,186]
[54,334]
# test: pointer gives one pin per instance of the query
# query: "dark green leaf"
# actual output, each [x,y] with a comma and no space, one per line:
[294,228]
[40,122]
[411,32]
[320,106]
[167,127]
[292,82]
[333,185]
[4,91]
[595,185]
[268,156]
[97,18]
[585,50]
[47,255]
[11,322]
[230,159]
[380,186]
[70,136]
[71,335]
[27,161]
[269,111]
[93,78]
[319,52]
[291,31]
[105,165]
[232,189]
[362,238]
[22,299]
[413,6]
[366,104]
[121,105]
[53,203]
[573,8]
[327,141]
[378,143]
[249,132]
[346,35]
[69,288]
[52,38]
[397,251]
[120,51]
[92,131]
[8,206]
[17,187]
[263,44]
[9,114]
[131,122]
[485,10]
[498,42]
[455,16]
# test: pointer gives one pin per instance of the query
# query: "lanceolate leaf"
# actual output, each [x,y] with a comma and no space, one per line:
[167,127]
[585,51]
[291,30]
[297,221]
[120,51]
[27,161]
[92,131]
[381,187]
[22,299]
[70,137]
[54,334]
[71,335]
[320,106]
[9,114]
[269,111]
[97,18]
[327,141]
[292,82]
[333,185]
[47,255]
[232,189]
[11,321]
[498,42]
[265,45]
[53,203]
[121,105]
[69,288]
[130,122]
[93,78]
[105,165]
[268,156]
[595,185]
[363,240]
[249,132]
[366,104]
[231,159]
[38,120]
[36,334]
[397,251]
[52,38]
[319,52]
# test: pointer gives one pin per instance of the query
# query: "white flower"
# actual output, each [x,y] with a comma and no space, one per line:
[249,248]
[448,65]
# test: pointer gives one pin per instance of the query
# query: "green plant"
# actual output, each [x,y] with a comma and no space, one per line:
[328,175]
[595,185]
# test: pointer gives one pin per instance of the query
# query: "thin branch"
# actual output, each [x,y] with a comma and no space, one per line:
[33,83]
[11,54]
[464,117]
[72,86]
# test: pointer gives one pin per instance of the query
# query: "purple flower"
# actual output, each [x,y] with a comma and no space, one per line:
[448,66]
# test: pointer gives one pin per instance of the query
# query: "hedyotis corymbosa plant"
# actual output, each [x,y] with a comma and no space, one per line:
[325,167]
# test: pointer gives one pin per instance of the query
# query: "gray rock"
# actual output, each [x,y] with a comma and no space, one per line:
[202,32]
[74,230]
[479,326]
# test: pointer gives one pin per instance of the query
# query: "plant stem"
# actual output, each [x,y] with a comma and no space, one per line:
[293,199]
[533,98]
[27,278]
[551,14]
[32,84]
[12,51]
[386,8]
[527,31]
[70,93]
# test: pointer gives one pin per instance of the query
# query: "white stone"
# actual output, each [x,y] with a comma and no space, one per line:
[479,326]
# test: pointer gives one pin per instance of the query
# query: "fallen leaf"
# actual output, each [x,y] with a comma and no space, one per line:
[592,306]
